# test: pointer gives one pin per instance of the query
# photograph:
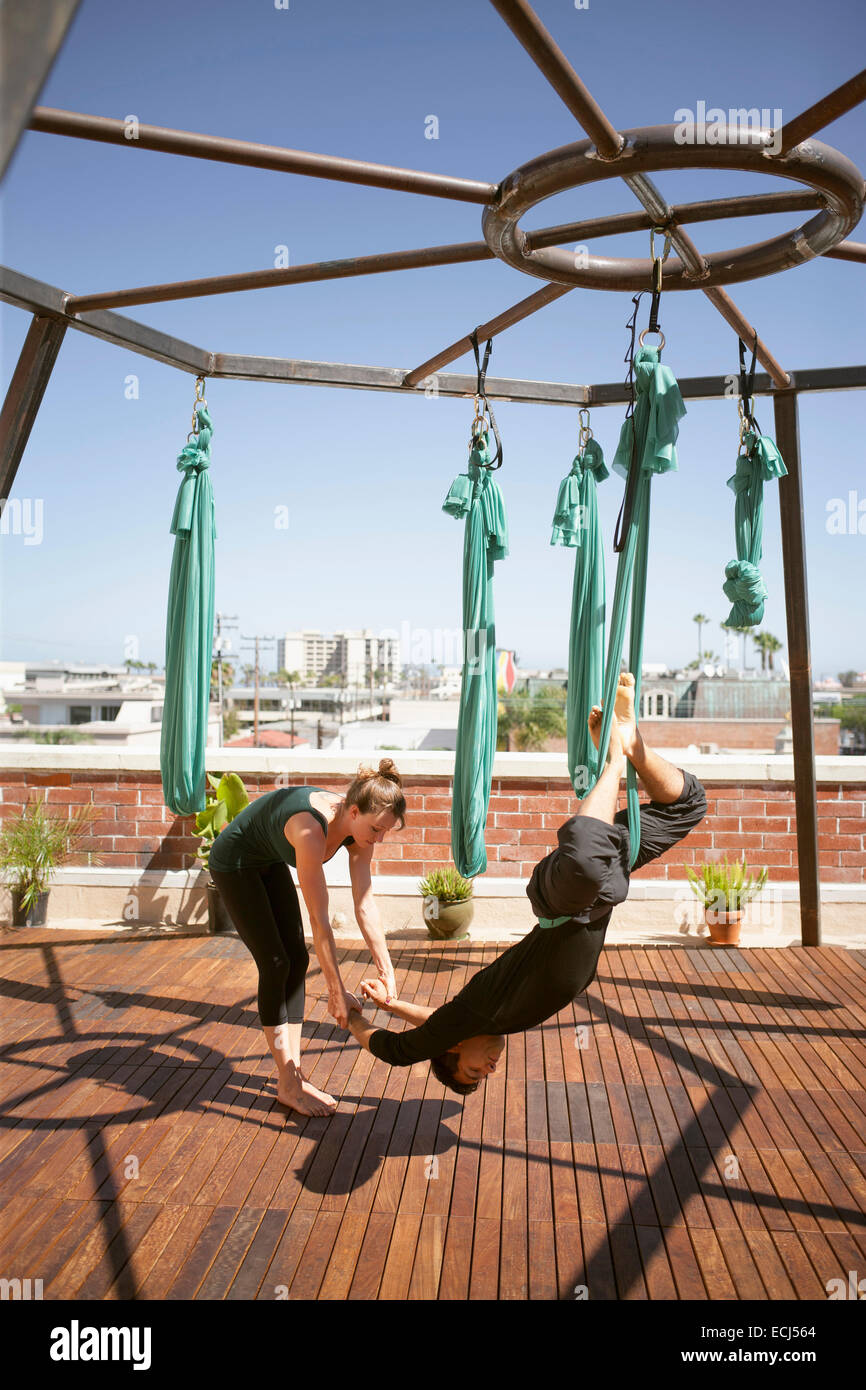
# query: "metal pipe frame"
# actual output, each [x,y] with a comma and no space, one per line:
[256,156]
[454,254]
[47,302]
[24,397]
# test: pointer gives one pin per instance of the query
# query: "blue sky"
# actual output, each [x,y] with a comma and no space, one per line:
[364,474]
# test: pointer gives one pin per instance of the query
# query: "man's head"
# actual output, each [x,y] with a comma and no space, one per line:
[468,1063]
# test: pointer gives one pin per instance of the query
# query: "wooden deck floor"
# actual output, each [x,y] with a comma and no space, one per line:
[694,1127]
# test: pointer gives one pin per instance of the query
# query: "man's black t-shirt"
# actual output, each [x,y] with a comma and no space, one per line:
[531,981]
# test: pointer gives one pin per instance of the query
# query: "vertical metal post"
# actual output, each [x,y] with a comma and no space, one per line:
[25,393]
[800,660]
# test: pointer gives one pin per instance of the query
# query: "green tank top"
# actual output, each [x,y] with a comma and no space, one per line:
[256,837]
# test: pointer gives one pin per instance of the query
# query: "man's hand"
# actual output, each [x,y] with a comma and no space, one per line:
[376,991]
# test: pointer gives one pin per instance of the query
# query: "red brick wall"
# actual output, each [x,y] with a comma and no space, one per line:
[757,735]
[135,830]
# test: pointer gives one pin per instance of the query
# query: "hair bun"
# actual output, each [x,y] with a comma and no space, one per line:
[388,768]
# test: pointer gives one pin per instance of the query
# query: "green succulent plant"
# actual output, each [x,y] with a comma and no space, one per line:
[447,885]
[34,843]
[726,887]
[225,799]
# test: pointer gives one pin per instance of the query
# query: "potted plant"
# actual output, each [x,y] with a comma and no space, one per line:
[224,800]
[448,906]
[725,889]
[32,845]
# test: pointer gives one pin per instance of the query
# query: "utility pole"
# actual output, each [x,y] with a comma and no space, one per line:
[222,644]
[256,640]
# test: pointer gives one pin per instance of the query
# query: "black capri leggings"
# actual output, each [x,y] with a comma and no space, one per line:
[263,905]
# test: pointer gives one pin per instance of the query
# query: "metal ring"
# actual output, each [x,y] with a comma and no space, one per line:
[648,149]
[652,330]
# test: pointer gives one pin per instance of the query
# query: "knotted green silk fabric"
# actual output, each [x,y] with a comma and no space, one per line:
[476,496]
[575,523]
[744,585]
[189,629]
[649,437]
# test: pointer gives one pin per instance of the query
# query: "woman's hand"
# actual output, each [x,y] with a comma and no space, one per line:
[377,991]
[386,976]
[339,1005]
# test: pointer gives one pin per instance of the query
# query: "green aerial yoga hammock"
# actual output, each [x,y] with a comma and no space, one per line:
[189,629]
[744,585]
[648,437]
[476,496]
[575,523]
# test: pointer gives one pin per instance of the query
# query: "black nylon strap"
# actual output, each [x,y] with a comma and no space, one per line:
[653,325]
[747,384]
[481,378]
[623,521]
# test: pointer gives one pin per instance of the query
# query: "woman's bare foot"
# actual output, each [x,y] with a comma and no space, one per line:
[297,1093]
[314,1090]
[615,751]
[624,711]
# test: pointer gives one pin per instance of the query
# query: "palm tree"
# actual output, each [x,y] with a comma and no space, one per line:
[700,619]
[291,679]
[767,644]
[531,721]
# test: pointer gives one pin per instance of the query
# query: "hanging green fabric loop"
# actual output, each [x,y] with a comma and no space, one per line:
[744,585]
[575,523]
[476,496]
[189,629]
[649,436]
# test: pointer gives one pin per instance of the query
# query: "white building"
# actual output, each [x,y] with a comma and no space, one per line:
[355,655]
[107,704]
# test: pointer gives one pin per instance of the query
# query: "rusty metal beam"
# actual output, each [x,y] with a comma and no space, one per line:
[715,209]
[31,36]
[457,254]
[848,251]
[496,325]
[24,397]
[800,662]
[46,301]
[531,33]
[529,30]
[828,109]
[256,156]
[741,326]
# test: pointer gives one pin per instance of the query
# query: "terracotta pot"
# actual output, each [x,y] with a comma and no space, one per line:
[448,921]
[33,916]
[724,927]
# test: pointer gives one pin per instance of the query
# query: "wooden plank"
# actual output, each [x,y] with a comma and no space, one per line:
[457,1259]
[372,1256]
[427,1260]
[656,1266]
[162,1230]
[340,1271]
[210,1237]
[484,1276]
[711,1262]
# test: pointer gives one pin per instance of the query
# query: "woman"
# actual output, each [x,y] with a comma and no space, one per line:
[304,826]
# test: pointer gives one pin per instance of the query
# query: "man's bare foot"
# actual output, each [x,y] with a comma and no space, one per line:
[624,710]
[615,752]
[299,1095]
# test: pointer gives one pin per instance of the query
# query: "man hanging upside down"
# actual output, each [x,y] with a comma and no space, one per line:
[573,891]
